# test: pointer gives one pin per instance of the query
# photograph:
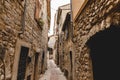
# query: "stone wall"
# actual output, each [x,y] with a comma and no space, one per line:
[60,51]
[66,49]
[61,14]
[96,16]
[12,30]
[67,60]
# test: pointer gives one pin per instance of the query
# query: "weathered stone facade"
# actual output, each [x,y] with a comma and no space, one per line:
[96,16]
[63,47]
[19,32]
[64,44]
[68,48]
[61,14]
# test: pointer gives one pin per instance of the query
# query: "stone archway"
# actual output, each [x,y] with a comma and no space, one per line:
[104,52]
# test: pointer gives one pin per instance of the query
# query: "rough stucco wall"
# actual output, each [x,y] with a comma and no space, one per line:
[10,27]
[96,16]
[77,7]
[62,19]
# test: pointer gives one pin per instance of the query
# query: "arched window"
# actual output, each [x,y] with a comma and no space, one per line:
[104,52]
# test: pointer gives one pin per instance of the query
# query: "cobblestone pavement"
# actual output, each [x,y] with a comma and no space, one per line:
[53,72]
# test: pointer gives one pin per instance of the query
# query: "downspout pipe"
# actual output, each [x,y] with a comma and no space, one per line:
[72,69]
[71,11]
[71,18]
[23,18]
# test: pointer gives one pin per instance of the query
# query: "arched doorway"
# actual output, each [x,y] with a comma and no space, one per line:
[104,51]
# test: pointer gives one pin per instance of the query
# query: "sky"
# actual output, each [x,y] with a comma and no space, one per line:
[54,6]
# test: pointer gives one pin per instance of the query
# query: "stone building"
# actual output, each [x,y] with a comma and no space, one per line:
[24,27]
[62,12]
[55,33]
[52,47]
[64,44]
[68,48]
[96,39]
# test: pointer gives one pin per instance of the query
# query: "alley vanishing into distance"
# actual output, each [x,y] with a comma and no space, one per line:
[84,45]
[53,72]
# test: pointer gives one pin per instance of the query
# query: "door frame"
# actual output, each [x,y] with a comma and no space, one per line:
[19,43]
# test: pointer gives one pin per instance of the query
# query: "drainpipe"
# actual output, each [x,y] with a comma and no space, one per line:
[72,69]
[71,18]
[71,11]
[23,19]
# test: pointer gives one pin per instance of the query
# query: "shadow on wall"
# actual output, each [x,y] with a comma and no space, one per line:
[42,65]
[66,73]
[104,51]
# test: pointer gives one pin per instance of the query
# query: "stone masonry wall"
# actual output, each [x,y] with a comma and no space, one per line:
[44,35]
[68,66]
[68,51]
[9,27]
[11,16]
[96,16]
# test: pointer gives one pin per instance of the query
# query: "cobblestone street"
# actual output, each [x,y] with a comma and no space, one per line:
[53,72]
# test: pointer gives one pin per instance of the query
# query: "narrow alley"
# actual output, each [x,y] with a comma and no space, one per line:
[59,39]
[53,72]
